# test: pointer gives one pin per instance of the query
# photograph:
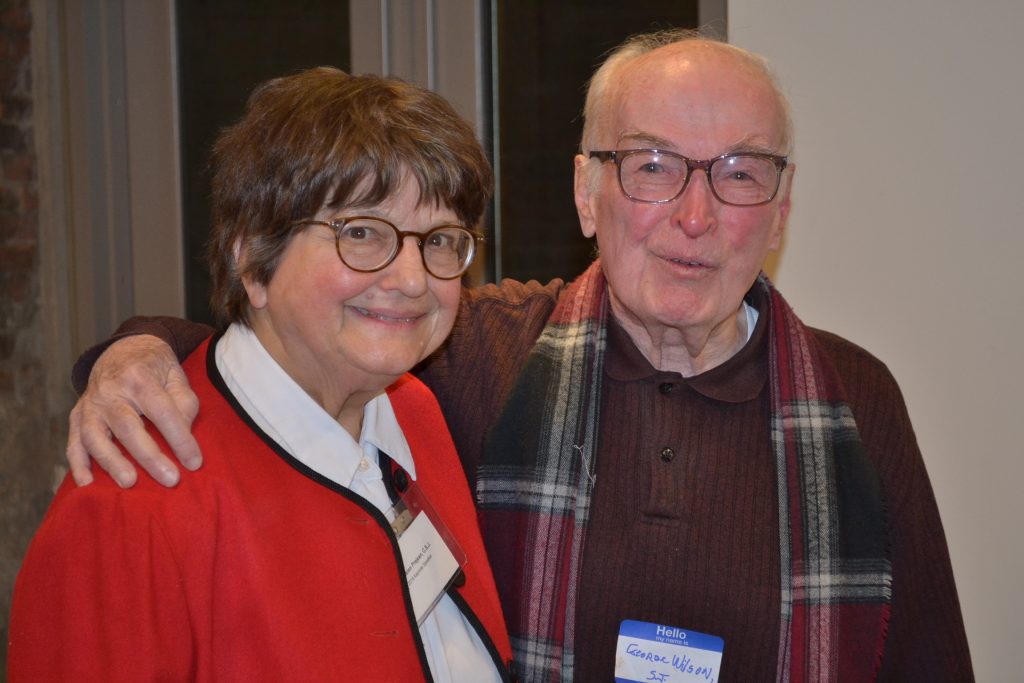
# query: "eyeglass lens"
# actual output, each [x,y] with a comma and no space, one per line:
[741,179]
[370,244]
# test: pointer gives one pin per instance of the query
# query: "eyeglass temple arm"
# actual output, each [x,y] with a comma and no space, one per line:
[604,156]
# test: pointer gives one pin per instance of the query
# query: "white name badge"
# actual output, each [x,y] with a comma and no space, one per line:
[430,553]
[649,652]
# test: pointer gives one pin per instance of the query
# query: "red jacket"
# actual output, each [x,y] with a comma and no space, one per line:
[253,568]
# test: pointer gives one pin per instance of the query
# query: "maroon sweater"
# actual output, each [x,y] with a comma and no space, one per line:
[683,526]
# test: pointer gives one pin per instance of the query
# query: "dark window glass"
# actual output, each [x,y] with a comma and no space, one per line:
[546,52]
[225,48]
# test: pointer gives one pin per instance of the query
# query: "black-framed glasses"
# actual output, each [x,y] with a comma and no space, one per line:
[655,177]
[368,244]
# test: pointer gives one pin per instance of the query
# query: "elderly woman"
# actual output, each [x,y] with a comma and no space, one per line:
[331,534]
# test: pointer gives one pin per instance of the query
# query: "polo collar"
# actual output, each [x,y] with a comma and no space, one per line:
[737,380]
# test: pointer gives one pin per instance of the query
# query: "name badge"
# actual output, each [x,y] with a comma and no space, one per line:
[431,555]
[665,654]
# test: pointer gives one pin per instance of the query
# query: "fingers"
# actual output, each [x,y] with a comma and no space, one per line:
[89,437]
[183,443]
[135,375]
[77,455]
[172,412]
[128,427]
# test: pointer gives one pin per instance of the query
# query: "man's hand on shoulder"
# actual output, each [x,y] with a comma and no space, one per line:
[137,376]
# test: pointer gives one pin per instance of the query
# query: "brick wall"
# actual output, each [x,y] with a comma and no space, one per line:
[32,422]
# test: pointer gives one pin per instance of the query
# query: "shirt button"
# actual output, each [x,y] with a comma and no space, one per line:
[667,454]
[666,388]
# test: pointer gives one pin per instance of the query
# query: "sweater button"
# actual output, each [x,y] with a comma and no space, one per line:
[667,454]
[401,480]
[666,388]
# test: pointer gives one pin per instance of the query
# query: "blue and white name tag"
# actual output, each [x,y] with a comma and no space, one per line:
[649,652]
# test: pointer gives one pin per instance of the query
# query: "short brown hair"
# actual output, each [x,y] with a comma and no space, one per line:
[324,138]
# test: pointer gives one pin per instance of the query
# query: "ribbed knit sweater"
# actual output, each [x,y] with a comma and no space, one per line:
[689,538]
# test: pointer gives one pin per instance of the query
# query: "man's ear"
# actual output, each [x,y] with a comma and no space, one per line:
[256,292]
[785,205]
[584,196]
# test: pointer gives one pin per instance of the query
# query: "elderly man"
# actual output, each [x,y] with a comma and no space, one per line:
[661,440]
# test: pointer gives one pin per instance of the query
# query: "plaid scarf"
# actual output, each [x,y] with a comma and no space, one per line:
[536,479]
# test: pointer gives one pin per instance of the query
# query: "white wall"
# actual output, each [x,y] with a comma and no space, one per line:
[906,234]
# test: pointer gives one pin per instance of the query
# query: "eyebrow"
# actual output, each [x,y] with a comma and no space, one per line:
[745,144]
[371,212]
[647,139]
[748,144]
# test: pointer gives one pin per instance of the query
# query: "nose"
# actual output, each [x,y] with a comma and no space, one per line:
[406,273]
[695,209]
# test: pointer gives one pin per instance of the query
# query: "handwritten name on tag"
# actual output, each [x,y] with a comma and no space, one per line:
[665,654]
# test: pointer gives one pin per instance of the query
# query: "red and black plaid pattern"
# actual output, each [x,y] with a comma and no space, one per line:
[836,576]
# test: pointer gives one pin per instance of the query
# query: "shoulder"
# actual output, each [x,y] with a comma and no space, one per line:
[496,326]
[85,522]
[512,294]
[878,408]
[499,318]
[508,310]
[855,365]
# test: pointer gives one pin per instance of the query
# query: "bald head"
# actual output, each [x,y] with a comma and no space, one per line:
[681,53]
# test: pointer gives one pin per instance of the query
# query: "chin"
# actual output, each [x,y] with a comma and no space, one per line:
[685,311]
[393,367]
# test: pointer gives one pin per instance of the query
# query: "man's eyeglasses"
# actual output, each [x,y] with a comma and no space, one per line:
[368,244]
[655,177]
